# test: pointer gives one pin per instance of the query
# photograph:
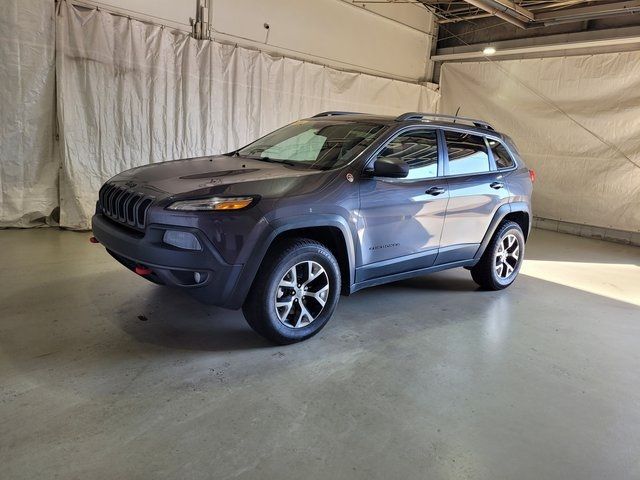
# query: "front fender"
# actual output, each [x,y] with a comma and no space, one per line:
[277,228]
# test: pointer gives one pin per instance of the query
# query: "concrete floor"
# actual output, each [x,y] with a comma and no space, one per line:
[105,376]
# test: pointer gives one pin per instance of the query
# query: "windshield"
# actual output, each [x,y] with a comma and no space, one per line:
[314,144]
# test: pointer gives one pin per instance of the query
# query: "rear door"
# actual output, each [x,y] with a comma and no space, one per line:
[400,220]
[476,190]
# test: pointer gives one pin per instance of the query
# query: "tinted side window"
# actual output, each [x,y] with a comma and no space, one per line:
[419,149]
[500,155]
[467,153]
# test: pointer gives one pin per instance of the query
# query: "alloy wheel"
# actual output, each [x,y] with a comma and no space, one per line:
[302,294]
[507,256]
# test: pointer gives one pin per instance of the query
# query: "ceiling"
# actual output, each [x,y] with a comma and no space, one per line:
[529,13]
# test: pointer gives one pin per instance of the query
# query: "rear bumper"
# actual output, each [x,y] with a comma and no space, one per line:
[171,265]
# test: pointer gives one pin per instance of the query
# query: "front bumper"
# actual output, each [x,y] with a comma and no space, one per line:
[173,266]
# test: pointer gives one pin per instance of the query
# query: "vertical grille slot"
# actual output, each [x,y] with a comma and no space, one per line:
[122,203]
[131,209]
[106,196]
[113,201]
[142,211]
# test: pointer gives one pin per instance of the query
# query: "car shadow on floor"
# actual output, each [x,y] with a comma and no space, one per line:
[439,282]
[173,319]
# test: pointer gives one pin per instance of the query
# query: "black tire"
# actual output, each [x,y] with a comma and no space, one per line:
[259,308]
[485,272]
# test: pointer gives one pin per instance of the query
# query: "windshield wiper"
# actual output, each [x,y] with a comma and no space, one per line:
[271,160]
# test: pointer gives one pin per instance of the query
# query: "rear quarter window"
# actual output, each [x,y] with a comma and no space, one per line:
[501,155]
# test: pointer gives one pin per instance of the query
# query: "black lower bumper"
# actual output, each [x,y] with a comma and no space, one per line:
[202,272]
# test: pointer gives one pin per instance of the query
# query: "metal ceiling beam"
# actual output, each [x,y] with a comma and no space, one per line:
[500,13]
[533,8]
[586,13]
[531,15]
[512,7]
[625,38]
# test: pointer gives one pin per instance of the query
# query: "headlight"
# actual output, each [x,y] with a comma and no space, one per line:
[213,203]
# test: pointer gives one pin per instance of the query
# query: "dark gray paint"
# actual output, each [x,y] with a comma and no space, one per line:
[390,228]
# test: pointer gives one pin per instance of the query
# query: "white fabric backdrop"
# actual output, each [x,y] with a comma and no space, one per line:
[28,160]
[585,166]
[131,93]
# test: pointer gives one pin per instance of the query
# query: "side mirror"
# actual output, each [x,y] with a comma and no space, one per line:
[390,167]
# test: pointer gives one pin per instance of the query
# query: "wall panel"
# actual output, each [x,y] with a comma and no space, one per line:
[28,160]
[576,121]
[132,93]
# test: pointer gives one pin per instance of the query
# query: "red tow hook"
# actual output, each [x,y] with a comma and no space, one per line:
[94,240]
[140,270]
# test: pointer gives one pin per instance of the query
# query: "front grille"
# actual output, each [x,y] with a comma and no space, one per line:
[124,205]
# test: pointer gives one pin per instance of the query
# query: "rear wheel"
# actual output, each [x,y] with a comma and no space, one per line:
[295,291]
[501,261]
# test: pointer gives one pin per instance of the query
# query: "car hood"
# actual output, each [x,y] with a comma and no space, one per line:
[222,174]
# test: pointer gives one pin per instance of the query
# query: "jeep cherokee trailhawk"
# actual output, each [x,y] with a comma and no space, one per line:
[322,207]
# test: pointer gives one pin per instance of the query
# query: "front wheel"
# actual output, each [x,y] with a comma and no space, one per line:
[501,261]
[295,291]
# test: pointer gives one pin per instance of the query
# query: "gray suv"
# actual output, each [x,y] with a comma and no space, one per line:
[322,207]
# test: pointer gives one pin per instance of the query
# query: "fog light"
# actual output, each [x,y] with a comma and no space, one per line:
[185,240]
[197,277]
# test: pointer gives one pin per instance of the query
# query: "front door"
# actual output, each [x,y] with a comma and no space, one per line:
[400,220]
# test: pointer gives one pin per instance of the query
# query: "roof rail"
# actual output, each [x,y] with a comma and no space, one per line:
[453,118]
[333,114]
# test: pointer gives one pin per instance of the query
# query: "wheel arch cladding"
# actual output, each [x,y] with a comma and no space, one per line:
[522,219]
[331,237]
[517,212]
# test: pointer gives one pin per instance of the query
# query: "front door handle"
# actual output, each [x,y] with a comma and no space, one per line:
[435,191]
[496,185]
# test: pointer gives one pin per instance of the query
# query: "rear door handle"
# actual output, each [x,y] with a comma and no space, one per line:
[496,185]
[435,191]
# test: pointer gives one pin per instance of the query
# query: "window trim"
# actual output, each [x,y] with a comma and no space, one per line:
[368,164]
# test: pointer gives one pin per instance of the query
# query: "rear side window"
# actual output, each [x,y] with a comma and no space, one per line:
[419,149]
[467,153]
[501,155]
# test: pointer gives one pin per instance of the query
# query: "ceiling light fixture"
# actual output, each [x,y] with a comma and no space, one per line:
[489,50]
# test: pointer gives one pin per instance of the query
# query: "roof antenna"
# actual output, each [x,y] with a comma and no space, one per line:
[456,115]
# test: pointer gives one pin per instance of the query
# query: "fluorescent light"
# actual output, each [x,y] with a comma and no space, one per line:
[489,50]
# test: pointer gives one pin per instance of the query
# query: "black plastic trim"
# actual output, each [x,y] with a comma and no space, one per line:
[396,265]
[500,214]
[166,262]
[405,275]
[284,225]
